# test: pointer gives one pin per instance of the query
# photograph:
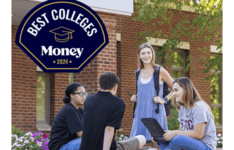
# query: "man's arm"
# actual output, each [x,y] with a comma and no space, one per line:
[108,137]
[114,122]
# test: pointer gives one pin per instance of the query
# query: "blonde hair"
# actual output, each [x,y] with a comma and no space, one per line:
[191,94]
[140,63]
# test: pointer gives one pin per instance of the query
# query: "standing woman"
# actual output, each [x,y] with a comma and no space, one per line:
[67,127]
[146,97]
[197,129]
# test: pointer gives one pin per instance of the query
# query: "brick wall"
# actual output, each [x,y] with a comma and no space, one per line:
[106,60]
[61,81]
[24,81]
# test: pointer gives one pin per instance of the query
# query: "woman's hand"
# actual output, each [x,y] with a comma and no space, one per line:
[169,135]
[158,100]
[134,98]
[153,141]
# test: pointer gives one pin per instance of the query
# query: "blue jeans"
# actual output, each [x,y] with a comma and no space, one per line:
[183,142]
[72,145]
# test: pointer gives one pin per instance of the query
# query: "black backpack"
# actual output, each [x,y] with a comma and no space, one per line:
[166,91]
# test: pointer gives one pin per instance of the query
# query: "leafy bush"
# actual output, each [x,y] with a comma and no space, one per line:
[120,136]
[219,140]
[173,123]
[17,132]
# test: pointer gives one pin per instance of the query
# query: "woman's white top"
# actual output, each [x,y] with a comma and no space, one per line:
[197,114]
[145,81]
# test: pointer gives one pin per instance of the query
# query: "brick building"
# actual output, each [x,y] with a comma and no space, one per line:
[37,96]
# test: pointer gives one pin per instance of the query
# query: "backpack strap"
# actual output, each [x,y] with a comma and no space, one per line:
[156,84]
[137,75]
[156,78]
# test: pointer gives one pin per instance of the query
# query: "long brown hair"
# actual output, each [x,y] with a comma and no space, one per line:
[191,94]
[140,63]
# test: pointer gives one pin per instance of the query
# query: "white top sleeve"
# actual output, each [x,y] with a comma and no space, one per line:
[199,114]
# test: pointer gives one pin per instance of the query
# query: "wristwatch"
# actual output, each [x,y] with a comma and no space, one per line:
[165,98]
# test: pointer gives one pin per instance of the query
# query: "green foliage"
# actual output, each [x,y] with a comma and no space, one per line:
[120,136]
[204,26]
[173,123]
[216,97]
[219,141]
[17,132]
[214,63]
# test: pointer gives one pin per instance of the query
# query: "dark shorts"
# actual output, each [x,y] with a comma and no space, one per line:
[129,144]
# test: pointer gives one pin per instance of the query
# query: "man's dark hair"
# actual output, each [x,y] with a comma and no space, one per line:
[108,80]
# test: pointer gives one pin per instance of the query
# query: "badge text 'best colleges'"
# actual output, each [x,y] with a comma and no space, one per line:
[62,14]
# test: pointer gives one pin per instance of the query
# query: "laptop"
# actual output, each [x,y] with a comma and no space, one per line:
[154,128]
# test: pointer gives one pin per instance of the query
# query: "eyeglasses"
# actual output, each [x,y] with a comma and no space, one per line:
[82,93]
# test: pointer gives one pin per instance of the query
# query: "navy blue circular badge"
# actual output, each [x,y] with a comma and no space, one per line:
[62,35]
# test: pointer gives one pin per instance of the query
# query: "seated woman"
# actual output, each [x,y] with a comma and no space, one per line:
[197,130]
[67,127]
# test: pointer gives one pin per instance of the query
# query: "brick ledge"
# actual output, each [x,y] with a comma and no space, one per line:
[43,127]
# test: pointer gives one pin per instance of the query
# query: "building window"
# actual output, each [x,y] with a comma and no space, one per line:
[158,57]
[43,98]
[216,94]
[71,78]
[178,64]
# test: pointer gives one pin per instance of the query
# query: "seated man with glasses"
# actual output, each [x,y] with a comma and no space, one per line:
[67,127]
[103,115]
